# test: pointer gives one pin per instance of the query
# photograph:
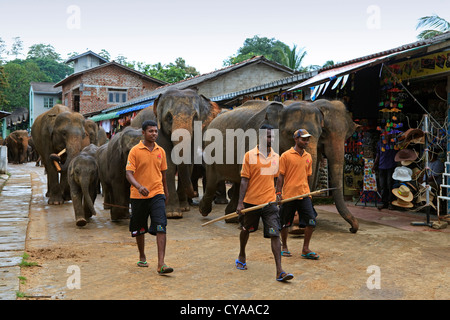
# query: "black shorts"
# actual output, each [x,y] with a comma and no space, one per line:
[270,218]
[306,213]
[141,209]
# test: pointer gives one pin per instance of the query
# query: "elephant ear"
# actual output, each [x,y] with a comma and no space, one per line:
[158,113]
[273,111]
[208,110]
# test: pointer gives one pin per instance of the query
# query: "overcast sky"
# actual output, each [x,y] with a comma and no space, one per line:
[206,32]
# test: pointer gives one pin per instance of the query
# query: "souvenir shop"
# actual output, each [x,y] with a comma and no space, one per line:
[401,109]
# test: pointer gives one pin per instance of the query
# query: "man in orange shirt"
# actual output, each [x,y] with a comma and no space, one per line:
[295,168]
[257,187]
[146,172]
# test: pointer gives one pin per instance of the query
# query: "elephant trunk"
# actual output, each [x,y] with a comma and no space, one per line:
[185,125]
[86,195]
[338,196]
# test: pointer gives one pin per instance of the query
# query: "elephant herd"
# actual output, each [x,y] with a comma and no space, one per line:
[185,120]
[20,147]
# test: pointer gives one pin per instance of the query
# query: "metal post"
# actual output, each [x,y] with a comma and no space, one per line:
[427,186]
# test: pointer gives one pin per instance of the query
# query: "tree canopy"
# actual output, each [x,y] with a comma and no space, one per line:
[436,25]
[272,49]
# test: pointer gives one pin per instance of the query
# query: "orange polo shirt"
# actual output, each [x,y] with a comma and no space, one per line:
[296,169]
[261,172]
[147,166]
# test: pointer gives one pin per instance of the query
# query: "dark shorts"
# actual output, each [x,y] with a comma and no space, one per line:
[270,218]
[141,209]
[306,213]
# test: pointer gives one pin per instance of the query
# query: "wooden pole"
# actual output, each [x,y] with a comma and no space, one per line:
[235,214]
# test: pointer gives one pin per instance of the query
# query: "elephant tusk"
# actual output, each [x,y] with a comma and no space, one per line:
[57,166]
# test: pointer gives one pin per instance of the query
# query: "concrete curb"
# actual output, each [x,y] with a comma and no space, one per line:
[15,202]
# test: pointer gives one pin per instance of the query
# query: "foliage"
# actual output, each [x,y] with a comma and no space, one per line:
[436,24]
[19,74]
[171,73]
[272,49]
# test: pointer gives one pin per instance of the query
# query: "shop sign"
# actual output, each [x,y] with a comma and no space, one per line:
[424,66]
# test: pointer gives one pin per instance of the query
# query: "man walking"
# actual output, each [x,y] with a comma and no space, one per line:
[146,172]
[295,168]
[257,187]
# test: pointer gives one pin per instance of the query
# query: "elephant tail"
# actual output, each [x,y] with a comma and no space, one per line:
[87,197]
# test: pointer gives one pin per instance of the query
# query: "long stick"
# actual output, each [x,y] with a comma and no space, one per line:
[235,214]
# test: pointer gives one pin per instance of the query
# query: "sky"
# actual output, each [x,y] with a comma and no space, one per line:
[206,32]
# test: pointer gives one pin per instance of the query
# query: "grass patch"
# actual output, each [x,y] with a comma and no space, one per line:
[26,263]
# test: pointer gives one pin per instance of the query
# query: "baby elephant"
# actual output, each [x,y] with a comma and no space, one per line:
[83,182]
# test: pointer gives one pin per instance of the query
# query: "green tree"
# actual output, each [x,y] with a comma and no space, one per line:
[436,25]
[272,49]
[43,51]
[171,73]
[17,47]
[4,86]
[19,75]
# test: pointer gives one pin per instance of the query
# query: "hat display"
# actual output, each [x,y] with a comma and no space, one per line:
[402,174]
[403,193]
[403,204]
[406,156]
[301,133]
[412,136]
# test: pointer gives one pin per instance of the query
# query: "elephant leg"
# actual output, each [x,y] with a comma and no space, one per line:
[54,188]
[232,205]
[173,206]
[182,197]
[77,202]
[205,205]
[221,193]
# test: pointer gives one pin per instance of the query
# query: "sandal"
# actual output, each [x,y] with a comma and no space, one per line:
[243,264]
[311,255]
[285,276]
[286,254]
[142,264]
[165,269]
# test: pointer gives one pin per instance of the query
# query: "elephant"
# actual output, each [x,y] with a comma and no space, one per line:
[111,159]
[102,138]
[338,127]
[17,143]
[83,182]
[251,116]
[57,129]
[176,110]
[91,131]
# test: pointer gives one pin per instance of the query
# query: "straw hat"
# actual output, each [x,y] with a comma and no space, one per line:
[403,204]
[402,174]
[405,156]
[403,193]
[412,136]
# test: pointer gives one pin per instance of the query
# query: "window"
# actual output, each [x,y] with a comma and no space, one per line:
[117,96]
[48,103]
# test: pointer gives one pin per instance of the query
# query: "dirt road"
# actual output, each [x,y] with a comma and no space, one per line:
[98,261]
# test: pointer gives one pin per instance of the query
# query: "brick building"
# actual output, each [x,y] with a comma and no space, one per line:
[98,84]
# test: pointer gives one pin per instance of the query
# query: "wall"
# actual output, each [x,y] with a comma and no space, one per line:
[241,79]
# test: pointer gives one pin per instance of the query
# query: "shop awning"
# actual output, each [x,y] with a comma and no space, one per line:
[104,116]
[319,83]
[134,108]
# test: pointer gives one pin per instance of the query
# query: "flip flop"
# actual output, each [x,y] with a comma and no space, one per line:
[142,264]
[311,255]
[285,276]
[165,269]
[244,265]
[286,254]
